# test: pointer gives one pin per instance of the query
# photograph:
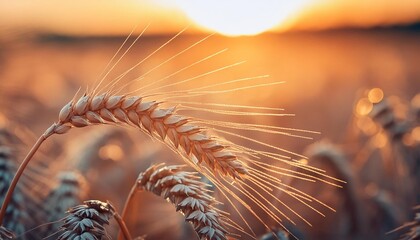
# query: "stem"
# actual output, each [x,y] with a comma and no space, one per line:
[126,205]
[19,172]
[123,227]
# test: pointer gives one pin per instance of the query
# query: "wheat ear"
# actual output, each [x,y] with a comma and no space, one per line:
[158,122]
[189,195]
[88,221]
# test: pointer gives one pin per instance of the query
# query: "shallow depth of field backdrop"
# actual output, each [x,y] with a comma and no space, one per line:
[339,60]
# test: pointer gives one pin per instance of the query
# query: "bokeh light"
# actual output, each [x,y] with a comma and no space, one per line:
[111,151]
[375,95]
[416,134]
[367,125]
[416,100]
[380,140]
[363,107]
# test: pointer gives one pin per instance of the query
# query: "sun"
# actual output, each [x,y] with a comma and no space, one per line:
[239,17]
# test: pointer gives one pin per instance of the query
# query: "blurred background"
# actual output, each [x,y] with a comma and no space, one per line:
[351,71]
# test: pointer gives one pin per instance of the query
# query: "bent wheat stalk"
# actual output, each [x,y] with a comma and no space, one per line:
[189,195]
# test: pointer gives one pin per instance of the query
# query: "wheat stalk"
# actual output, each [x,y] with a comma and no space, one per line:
[87,221]
[189,195]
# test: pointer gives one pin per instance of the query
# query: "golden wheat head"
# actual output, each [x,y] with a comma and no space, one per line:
[156,121]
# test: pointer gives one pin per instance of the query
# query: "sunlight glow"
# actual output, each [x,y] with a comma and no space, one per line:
[237,17]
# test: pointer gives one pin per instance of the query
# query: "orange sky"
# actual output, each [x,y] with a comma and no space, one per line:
[110,17]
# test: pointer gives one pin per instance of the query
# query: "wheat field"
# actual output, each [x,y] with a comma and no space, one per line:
[265,137]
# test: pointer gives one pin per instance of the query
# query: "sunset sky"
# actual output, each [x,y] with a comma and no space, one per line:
[233,17]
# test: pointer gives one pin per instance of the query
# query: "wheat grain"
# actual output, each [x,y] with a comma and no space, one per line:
[187,136]
[158,122]
[189,195]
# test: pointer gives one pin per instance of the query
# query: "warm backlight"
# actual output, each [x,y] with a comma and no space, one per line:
[238,17]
